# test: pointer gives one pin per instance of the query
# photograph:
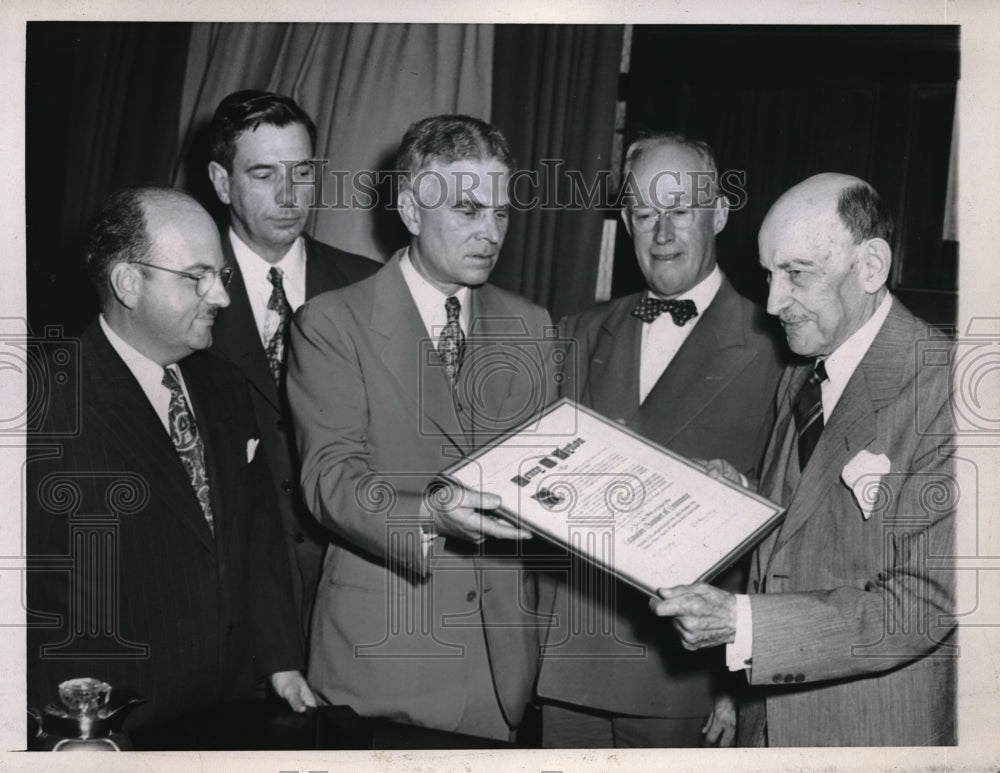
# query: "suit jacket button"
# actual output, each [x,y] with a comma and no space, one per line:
[789,678]
[800,677]
[286,485]
[777,678]
[300,538]
[281,424]
[470,596]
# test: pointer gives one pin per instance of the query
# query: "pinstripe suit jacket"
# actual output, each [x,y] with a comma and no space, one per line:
[852,644]
[126,581]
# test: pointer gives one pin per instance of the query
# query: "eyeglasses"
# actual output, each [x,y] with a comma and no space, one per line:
[646,219]
[203,282]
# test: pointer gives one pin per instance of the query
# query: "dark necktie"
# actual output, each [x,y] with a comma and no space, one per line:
[649,309]
[275,348]
[184,434]
[808,412]
[451,342]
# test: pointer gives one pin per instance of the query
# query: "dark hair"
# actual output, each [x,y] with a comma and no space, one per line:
[650,140]
[449,138]
[244,111]
[864,214]
[116,234]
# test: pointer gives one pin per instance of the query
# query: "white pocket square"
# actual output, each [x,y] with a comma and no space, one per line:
[252,444]
[863,476]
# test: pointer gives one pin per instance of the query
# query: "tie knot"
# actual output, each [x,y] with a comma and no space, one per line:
[170,380]
[275,276]
[680,311]
[453,307]
[818,375]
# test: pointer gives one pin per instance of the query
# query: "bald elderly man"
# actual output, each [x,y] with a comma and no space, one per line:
[844,636]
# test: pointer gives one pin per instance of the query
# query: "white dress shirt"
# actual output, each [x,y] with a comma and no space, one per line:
[662,338]
[840,366]
[431,305]
[430,301]
[259,288]
[148,374]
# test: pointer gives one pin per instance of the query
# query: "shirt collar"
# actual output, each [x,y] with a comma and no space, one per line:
[702,293]
[146,372]
[429,299]
[844,360]
[255,269]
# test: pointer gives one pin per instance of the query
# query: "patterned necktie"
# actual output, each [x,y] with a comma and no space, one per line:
[451,342]
[649,309]
[184,434]
[275,349]
[808,412]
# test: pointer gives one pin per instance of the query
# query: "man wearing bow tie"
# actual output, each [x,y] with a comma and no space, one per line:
[847,636]
[691,365]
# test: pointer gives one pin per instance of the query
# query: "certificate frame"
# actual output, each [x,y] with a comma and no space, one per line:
[627,545]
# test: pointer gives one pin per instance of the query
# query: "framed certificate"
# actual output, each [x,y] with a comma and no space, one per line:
[646,515]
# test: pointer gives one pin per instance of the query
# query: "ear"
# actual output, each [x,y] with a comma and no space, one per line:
[125,283]
[220,180]
[720,215]
[409,211]
[875,262]
[627,221]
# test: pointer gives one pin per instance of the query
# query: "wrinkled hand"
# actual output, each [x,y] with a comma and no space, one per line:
[704,616]
[292,686]
[721,469]
[720,729]
[456,513]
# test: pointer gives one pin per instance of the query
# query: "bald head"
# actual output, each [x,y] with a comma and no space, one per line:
[121,231]
[155,257]
[825,246]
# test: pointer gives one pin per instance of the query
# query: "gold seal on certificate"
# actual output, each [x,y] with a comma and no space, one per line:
[637,510]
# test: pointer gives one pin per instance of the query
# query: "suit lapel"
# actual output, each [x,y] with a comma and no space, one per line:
[213,403]
[321,275]
[139,435]
[612,385]
[853,423]
[714,354]
[409,354]
[235,333]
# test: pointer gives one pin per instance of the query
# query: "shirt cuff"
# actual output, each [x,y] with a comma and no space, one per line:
[739,652]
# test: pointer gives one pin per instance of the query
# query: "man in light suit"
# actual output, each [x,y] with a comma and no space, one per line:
[845,636]
[698,379]
[261,144]
[156,554]
[425,613]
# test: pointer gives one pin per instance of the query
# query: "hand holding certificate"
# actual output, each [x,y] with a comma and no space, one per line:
[637,510]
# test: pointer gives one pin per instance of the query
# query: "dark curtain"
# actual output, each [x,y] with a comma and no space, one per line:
[102,105]
[554,94]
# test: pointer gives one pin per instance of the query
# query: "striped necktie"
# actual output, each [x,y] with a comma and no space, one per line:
[808,412]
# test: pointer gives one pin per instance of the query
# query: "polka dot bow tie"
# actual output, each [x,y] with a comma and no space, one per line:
[650,308]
